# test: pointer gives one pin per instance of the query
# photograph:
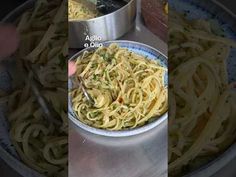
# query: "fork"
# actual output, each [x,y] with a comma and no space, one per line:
[48,110]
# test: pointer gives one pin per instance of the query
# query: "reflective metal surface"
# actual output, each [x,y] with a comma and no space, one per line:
[98,156]
[107,27]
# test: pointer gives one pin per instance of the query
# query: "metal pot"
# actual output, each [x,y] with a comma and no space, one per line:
[103,28]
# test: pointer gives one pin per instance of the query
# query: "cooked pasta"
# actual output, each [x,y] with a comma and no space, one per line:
[128,89]
[40,144]
[81,10]
[202,104]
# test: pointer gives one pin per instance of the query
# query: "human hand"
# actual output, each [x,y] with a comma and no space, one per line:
[71,68]
[9,40]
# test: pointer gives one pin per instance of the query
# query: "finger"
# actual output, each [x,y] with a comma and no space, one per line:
[71,68]
[9,40]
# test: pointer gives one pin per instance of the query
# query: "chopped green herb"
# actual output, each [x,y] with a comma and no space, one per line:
[107,57]
[94,114]
[94,65]
[95,77]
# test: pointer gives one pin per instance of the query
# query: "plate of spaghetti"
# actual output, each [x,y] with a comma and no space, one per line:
[128,82]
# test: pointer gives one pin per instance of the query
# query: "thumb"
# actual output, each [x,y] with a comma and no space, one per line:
[71,68]
[8,40]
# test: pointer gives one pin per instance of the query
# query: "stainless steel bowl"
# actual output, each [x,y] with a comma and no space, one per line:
[104,28]
[141,49]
